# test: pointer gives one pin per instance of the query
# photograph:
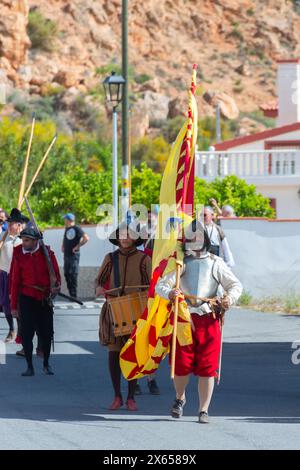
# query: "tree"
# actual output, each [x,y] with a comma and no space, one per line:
[236,192]
[154,152]
[145,185]
[82,150]
[75,191]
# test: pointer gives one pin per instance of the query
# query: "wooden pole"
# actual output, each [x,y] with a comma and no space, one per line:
[126,287]
[24,176]
[178,267]
[221,349]
[39,169]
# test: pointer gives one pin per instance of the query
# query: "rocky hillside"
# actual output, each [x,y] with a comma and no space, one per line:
[235,42]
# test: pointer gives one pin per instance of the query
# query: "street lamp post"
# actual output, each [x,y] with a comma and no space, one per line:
[113,87]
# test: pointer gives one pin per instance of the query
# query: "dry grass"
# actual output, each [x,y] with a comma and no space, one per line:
[289,304]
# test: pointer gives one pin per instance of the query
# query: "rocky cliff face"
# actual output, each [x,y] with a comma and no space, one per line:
[14,42]
[235,42]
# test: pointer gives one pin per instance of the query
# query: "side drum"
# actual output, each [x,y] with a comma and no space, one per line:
[126,310]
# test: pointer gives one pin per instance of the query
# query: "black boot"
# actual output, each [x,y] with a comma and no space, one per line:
[29,372]
[177,409]
[47,370]
[153,387]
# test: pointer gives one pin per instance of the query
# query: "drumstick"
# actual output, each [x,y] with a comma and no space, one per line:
[126,287]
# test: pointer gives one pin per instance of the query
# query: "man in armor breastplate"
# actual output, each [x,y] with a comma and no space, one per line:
[201,276]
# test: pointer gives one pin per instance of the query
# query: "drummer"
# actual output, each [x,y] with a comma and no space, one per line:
[121,269]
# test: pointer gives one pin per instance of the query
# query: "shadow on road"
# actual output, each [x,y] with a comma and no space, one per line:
[259,384]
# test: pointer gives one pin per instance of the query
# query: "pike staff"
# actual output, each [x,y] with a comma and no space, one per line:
[25,170]
[39,168]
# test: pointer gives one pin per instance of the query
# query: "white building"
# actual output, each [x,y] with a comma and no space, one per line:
[268,159]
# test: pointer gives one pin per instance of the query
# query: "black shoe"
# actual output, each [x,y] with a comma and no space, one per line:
[138,390]
[29,372]
[203,417]
[153,388]
[40,352]
[177,409]
[20,353]
[47,370]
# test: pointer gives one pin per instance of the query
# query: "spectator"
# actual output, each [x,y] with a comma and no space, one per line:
[219,244]
[74,238]
[3,220]
[228,211]
[9,240]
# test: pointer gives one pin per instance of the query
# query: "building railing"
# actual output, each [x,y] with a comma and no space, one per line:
[247,163]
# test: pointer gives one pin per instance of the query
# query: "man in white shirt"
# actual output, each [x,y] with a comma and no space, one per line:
[202,275]
[218,242]
[8,241]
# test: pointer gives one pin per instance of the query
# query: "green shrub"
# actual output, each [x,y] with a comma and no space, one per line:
[207,131]
[171,127]
[76,191]
[145,186]
[142,78]
[154,152]
[259,117]
[238,88]
[52,90]
[235,192]
[41,31]
[81,149]
[296,5]
[245,298]
[236,33]
[292,302]
[107,69]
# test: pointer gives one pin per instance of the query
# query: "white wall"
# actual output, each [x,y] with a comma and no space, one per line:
[260,144]
[92,253]
[288,76]
[267,254]
[287,199]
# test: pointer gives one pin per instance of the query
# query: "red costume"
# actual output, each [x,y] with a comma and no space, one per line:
[29,270]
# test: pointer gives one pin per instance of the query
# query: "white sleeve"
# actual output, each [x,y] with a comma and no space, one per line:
[228,281]
[165,285]
[228,257]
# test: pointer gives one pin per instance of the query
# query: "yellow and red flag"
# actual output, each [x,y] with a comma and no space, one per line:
[149,342]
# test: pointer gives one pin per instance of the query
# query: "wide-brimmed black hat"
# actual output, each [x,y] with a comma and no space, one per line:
[133,233]
[30,232]
[16,216]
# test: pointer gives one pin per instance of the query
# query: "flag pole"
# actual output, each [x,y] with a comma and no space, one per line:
[39,169]
[222,320]
[24,176]
[178,267]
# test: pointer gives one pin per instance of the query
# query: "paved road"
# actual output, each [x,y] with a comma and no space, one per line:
[257,405]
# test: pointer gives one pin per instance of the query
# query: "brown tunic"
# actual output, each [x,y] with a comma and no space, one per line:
[134,270]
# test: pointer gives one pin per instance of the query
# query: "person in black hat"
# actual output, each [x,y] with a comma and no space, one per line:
[8,240]
[30,293]
[121,269]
